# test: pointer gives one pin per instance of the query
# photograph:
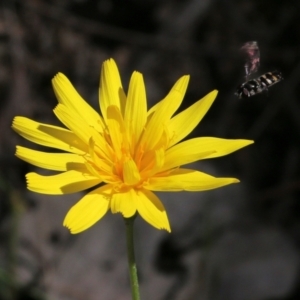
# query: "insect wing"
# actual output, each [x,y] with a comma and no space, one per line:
[252,54]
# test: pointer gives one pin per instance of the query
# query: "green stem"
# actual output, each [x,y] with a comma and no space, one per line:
[131,259]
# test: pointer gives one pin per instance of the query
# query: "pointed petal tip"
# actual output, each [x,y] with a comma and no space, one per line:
[246,143]
[137,73]
[17,151]
[182,83]
[163,225]
[66,225]
[109,62]
[214,93]
[56,107]
[137,78]
[210,97]
[186,80]
[168,229]
[186,77]
[70,229]
[14,121]
[27,177]
[58,75]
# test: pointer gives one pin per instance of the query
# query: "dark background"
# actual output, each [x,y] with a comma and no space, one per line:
[250,250]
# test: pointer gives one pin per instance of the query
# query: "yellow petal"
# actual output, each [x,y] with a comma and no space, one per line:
[82,130]
[180,85]
[221,147]
[136,108]
[52,161]
[183,123]
[68,96]
[123,203]
[187,180]
[161,116]
[151,209]
[90,209]
[152,163]
[48,135]
[111,91]
[99,166]
[116,137]
[64,183]
[117,130]
[131,175]
[200,148]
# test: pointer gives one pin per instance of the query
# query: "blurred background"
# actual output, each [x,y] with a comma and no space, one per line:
[240,242]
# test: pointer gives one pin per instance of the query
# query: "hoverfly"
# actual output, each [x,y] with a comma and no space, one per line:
[258,85]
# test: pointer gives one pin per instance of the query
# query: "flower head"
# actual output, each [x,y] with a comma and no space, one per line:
[126,153]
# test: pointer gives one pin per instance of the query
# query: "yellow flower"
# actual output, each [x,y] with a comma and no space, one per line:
[127,153]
